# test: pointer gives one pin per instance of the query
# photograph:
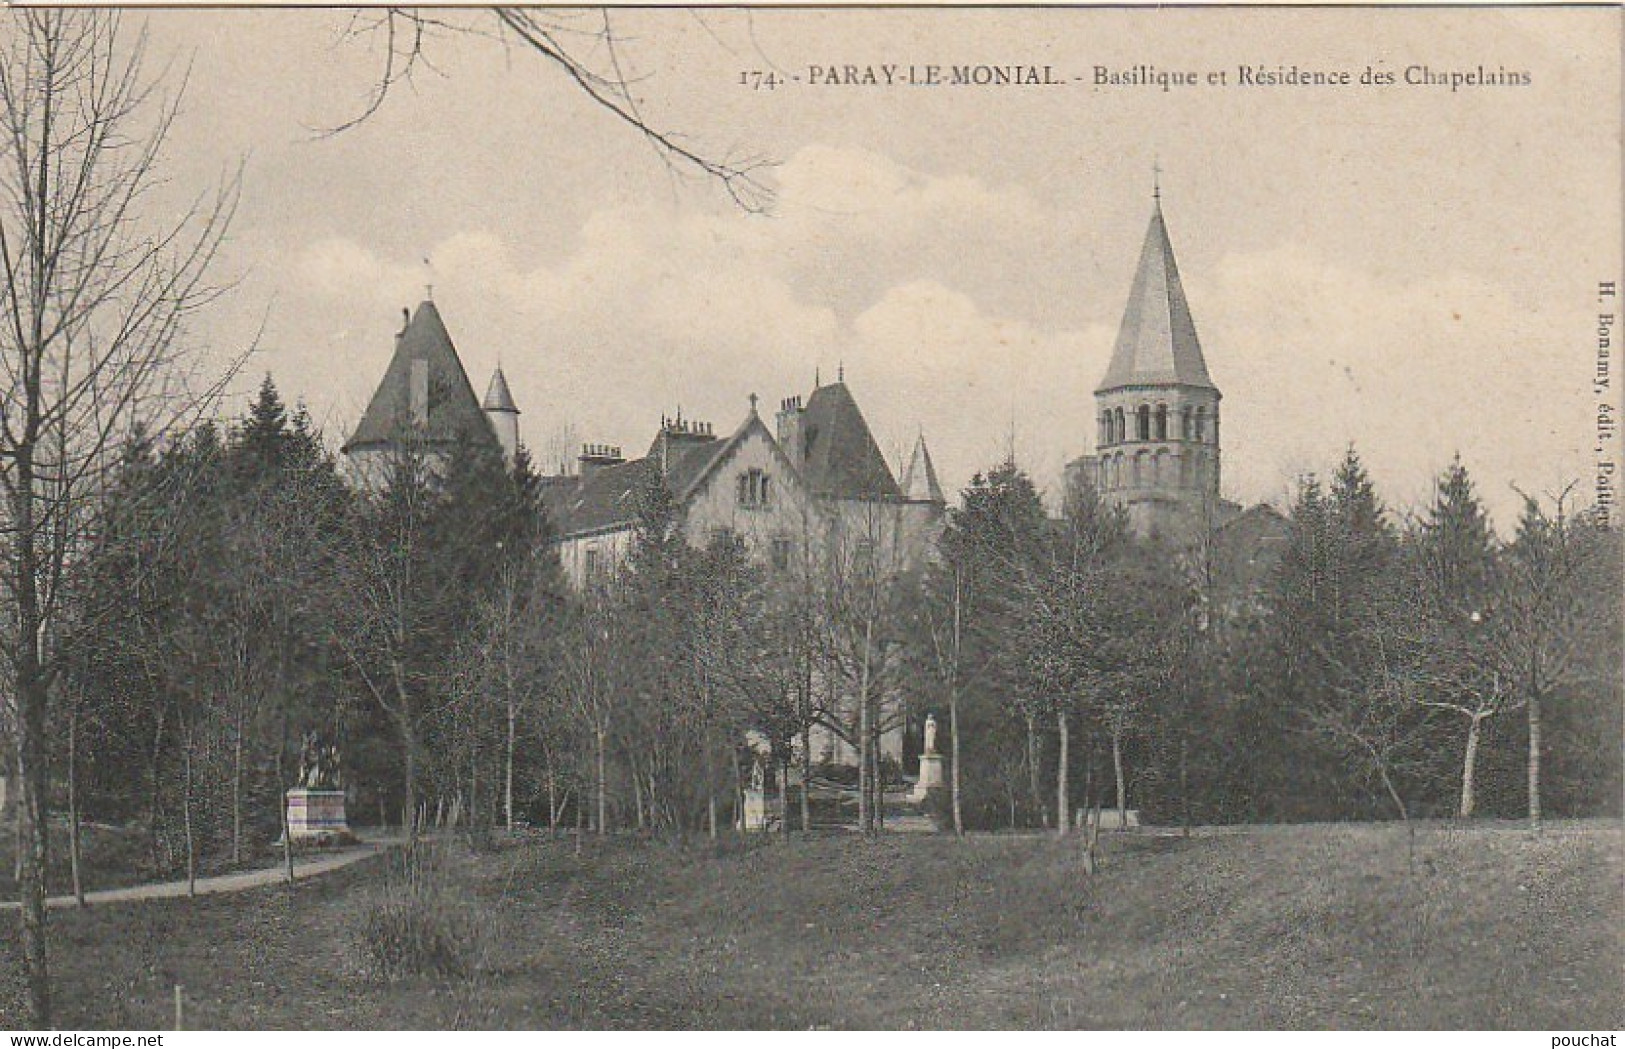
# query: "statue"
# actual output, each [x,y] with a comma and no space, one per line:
[930,734]
[319,764]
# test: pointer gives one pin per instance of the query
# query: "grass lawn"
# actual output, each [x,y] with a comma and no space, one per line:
[1313,926]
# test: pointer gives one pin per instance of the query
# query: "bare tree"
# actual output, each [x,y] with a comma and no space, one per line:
[582,44]
[384,608]
[856,593]
[95,303]
[1542,626]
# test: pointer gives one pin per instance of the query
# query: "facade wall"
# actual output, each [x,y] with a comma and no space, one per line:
[370,469]
[786,516]
[1157,452]
[790,532]
[587,558]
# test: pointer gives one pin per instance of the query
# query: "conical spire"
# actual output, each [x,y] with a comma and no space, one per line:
[425,393]
[920,479]
[497,396]
[1157,345]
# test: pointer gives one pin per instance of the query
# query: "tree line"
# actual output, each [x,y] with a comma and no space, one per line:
[1346,662]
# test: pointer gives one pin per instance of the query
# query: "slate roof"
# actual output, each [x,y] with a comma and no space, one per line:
[1157,343]
[920,479]
[606,498]
[840,459]
[497,396]
[454,411]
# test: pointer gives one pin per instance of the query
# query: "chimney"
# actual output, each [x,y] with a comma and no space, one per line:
[681,431]
[420,392]
[789,426]
[596,456]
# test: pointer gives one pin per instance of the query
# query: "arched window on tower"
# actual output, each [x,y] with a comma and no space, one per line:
[1142,423]
[1141,468]
[1162,422]
[1201,424]
[1185,426]
[1105,428]
[1122,431]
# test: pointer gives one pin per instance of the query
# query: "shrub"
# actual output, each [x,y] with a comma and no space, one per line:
[419,925]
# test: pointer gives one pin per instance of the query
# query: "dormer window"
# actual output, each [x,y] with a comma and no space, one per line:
[755,489]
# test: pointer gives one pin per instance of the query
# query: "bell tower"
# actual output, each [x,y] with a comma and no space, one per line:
[1157,409]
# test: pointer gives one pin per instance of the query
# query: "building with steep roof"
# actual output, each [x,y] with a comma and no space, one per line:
[425,405]
[809,500]
[819,473]
[503,415]
[1157,408]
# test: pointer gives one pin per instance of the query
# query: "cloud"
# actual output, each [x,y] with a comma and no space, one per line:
[1314,355]
[337,268]
[933,358]
[906,278]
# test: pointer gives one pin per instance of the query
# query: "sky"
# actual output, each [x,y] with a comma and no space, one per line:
[1408,269]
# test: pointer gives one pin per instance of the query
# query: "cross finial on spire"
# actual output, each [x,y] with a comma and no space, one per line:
[1156,178]
[840,372]
[753,404]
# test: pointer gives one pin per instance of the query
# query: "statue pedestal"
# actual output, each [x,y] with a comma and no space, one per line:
[316,814]
[755,814]
[931,776]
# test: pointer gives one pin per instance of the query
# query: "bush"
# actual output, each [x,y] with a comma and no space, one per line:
[419,925]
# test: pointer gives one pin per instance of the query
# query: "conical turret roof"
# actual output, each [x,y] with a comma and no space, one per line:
[840,458]
[453,411]
[497,396]
[920,479]
[1157,344]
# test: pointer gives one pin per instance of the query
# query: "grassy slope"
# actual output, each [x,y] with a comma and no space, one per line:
[1275,927]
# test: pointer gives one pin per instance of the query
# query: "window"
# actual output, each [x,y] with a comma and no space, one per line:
[594,565]
[1201,424]
[781,555]
[1162,422]
[755,488]
[1142,423]
[1185,430]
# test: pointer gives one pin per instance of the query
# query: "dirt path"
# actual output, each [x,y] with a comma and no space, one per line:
[307,867]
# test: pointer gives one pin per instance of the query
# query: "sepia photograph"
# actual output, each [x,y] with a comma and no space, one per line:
[811,518]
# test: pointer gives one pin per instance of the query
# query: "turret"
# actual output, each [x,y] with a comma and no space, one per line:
[1157,409]
[504,416]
